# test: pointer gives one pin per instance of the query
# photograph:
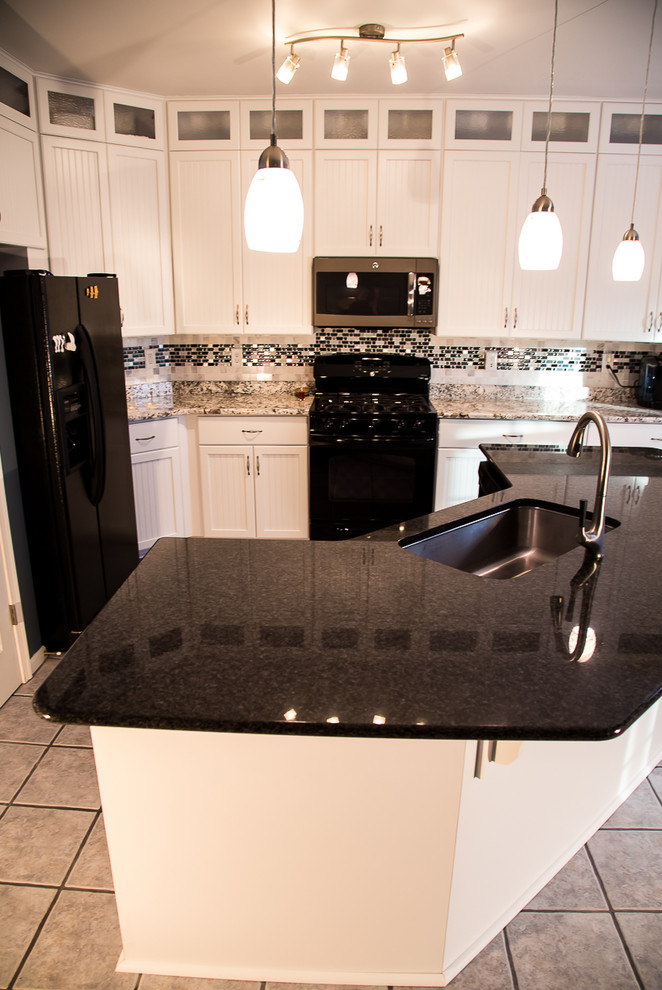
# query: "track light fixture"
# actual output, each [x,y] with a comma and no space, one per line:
[541,238]
[371,32]
[629,258]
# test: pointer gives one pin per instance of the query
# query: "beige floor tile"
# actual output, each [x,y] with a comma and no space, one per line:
[20,723]
[643,934]
[74,735]
[65,777]
[21,911]
[641,810]
[558,951]
[630,866]
[187,983]
[92,867]
[16,762]
[46,669]
[574,888]
[78,947]
[38,845]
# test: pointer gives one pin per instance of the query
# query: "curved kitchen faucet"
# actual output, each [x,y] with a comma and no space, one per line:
[593,537]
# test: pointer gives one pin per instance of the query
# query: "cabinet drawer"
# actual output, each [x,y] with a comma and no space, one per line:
[252,429]
[153,434]
[635,434]
[471,432]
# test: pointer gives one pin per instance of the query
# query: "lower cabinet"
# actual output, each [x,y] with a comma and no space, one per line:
[254,476]
[160,482]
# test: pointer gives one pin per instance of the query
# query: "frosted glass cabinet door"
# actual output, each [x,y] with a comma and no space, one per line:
[141,239]
[207,240]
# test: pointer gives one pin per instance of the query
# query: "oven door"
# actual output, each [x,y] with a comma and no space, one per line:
[359,486]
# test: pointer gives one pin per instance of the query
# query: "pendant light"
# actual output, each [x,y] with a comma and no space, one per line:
[629,258]
[541,237]
[273,211]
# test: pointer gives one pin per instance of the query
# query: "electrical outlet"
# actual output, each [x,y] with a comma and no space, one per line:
[490,359]
[607,358]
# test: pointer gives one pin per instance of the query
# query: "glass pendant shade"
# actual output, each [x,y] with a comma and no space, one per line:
[398,68]
[273,211]
[340,65]
[629,258]
[541,238]
[452,67]
[288,68]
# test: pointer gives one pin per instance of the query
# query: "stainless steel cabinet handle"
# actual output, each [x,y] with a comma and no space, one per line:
[246,314]
[505,318]
[248,465]
[628,494]
[145,439]
[659,321]
[237,315]
[513,436]
[380,235]
[515,317]
[636,494]
[257,463]
[650,322]
[370,236]
[252,432]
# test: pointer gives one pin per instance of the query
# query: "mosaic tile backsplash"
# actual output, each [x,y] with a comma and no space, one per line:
[159,356]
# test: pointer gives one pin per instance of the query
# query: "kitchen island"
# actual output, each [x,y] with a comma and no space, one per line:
[293,738]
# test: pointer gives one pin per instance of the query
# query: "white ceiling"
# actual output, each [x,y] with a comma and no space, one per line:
[223,47]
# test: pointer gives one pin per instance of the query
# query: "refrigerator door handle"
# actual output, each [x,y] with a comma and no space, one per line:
[96,481]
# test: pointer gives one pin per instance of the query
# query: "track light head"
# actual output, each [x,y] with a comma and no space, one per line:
[340,65]
[398,68]
[289,67]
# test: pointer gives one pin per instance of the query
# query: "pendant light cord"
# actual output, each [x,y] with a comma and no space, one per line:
[551,92]
[643,112]
[273,71]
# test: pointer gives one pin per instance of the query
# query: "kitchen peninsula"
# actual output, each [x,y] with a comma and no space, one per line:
[307,752]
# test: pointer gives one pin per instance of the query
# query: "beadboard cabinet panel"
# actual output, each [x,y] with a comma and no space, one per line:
[281,486]
[345,196]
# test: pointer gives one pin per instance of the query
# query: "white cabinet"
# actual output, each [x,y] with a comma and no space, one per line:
[377,202]
[483,291]
[254,476]
[22,219]
[107,210]
[625,310]
[220,285]
[160,484]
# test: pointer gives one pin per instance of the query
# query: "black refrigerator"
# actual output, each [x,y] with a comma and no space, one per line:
[63,346]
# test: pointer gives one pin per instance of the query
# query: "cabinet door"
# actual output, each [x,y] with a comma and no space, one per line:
[281,492]
[552,302]
[624,310]
[141,239]
[478,232]
[134,119]
[70,110]
[157,489]
[207,240]
[349,124]
[408,188]
[345,202]
[22,218]
[483,125]
[77,206]
[277,287]
[410,124]
[203,125]
[457,477]
[294,124]
[227,482]
[17,99]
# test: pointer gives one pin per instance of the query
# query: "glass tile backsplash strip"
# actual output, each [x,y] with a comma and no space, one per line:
[454,356]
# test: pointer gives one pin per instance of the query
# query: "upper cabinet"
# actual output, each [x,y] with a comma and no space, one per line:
[572,127]
[71,110]
[22,219]
[483,125]
[138,122]
[619,130]
[203,125]
[294,124]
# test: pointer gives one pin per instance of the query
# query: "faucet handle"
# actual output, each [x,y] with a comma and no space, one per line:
[583,507]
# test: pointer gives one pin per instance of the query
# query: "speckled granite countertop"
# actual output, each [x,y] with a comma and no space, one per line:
[365,638]
[450,401]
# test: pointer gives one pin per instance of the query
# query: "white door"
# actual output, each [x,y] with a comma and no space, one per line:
[228,491]
[281,492]
[14,654]
[408,188]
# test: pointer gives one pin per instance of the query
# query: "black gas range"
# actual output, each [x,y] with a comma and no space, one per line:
[372,434]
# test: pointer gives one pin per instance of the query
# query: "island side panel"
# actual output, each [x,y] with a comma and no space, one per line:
[280,858]
[521,823]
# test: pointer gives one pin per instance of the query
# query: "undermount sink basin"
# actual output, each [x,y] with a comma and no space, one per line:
[505,541]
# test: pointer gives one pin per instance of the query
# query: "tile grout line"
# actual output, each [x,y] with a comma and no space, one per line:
[612,912]
[509,957]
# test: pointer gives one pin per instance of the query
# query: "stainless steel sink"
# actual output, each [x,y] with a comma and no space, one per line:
[505,541]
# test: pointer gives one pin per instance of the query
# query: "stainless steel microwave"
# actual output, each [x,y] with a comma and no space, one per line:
[375,292]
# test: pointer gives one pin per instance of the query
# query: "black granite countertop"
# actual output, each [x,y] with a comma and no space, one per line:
[366,638]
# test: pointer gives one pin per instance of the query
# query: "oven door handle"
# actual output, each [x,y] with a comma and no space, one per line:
[411,293]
